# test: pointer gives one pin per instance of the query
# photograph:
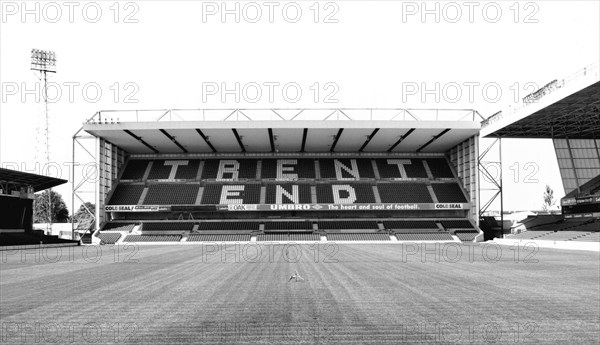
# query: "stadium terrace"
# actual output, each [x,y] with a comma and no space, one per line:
[285,174]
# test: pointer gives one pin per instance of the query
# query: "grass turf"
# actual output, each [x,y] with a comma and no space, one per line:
[352,294]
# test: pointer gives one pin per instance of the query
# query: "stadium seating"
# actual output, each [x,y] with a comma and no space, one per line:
[108,238]
[159,170]
[219,238]
[448,192]
[182,169]
[288,225]
[152,238]
[567,230]
[344,193]
[134,170]
[167,226]
[439,168]
[298,236]
[466,235]
[563,235]
[588,237]
[404,193]
[285,169]
[114,226]
[358,237]
[456,224]
[172,194]
[217,194]
[288,194]
[410,224]
[390,168]
[235,181]
[583,225]
[346,169]
[229,169]
[228,225]
[126,194]
[236,169]
[590,226]
[434,236]
[344,224]
[283,236]
[529,235]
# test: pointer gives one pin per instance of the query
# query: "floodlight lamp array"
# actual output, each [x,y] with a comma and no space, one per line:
[43,60]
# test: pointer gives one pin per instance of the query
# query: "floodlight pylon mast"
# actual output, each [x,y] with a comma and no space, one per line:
[44,62]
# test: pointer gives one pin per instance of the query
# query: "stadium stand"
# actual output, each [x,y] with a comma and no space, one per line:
[439,168]
[228,225]
[557,236]
[590,226]
[404,193]
[344,193]
[288,194]
[448,192]
[167,226]
[229,169]
[437,236]
[114,226]
[344,224]
[282,169]
[299,236]
[217,194]
[135,170]
[456,224]
[172,194]
[321,179]
[358,237]
[219,238]
[188,171]
[292,236]
[288,225]
[563,235]
[529,235]
[466,235]
[392,168]
[410,224]
[588,237]
[346,169]
[108,238]
[152,238]
[562,225]
[126,194]
[568,230]
[159,170]
[182,169]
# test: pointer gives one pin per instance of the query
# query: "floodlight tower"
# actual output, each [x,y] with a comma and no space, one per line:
[44,62]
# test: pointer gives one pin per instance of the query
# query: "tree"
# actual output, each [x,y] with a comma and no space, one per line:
[83,216]
[549,200]
[60,212]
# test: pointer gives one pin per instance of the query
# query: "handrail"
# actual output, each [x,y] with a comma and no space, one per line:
[591,70]
[284,114]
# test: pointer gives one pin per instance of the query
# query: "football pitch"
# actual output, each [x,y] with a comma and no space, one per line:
[347,294]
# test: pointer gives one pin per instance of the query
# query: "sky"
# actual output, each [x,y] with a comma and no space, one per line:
[367,54]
